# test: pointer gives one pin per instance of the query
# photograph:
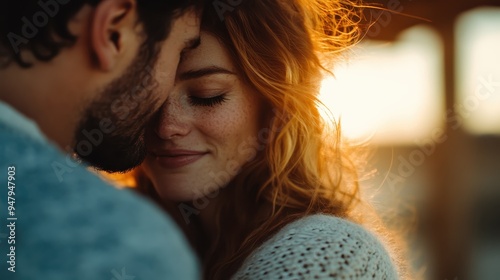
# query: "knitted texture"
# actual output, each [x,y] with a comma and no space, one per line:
[77,227]
[319,247]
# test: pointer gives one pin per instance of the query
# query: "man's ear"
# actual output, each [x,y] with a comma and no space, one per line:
[112,22]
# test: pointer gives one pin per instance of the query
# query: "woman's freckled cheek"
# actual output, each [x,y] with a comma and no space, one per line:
[232,125]
[221,122]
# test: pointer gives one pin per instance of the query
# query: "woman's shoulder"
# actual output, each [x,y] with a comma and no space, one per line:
[320,247]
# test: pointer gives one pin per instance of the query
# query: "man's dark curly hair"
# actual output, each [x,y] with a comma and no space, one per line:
[51,25]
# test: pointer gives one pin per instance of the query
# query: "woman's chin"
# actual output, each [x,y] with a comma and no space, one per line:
[179,195]
[182,191]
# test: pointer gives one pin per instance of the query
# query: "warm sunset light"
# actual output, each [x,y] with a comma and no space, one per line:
[389,93]
[478,71]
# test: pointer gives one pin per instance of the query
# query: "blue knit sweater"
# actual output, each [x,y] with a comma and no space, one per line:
[71,225]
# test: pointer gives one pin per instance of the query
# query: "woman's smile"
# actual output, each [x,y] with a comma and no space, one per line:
[173,159]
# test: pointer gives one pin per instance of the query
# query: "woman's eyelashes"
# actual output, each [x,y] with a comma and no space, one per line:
[207,101]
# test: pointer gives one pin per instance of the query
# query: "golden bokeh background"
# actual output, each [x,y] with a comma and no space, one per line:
[425,94]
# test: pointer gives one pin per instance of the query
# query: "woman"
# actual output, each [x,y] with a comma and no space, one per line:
[262,184]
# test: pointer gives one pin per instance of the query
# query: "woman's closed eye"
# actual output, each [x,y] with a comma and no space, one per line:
[207,101]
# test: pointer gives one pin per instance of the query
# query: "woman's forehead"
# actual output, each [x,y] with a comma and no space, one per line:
[210,52]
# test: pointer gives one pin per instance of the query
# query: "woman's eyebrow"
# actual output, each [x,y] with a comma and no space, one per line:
[197,73]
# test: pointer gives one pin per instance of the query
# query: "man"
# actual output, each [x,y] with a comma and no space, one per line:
[85,76]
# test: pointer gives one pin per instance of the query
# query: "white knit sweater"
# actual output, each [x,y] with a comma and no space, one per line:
[319,247]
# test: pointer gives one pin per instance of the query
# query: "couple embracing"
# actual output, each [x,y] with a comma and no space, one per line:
[210,111]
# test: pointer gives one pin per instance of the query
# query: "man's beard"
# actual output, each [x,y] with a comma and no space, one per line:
[110,136]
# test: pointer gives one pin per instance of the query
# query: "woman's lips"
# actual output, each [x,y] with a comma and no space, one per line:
[177,159]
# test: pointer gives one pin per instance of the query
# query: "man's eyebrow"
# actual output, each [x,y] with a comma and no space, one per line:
[192,43]
[206,71]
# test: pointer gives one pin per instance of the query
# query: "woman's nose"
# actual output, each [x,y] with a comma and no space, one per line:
[172,122]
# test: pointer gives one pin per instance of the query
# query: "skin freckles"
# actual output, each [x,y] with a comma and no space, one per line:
[130,101]
[211,112]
